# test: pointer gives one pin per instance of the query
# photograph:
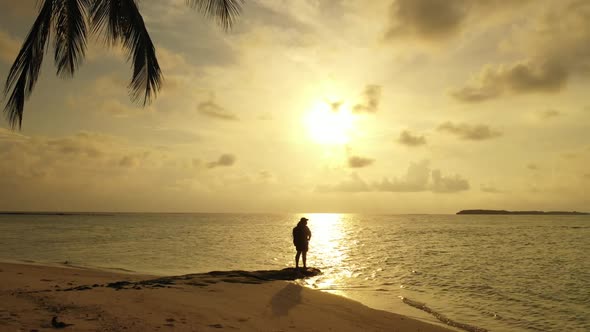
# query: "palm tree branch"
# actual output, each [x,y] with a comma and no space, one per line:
[105,18]
[120,20]
[70,35]
[24,72]
[225,12]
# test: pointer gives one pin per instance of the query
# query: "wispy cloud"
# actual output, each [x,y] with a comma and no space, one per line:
[372,97]
[354,184]
[416,179]
[9,47]
[469,132]
[490,189]
[413,140]
[520,78]
[213,110]
[429,19]
[439,20]
[448,183]
[359,162]
[549,114]
[555,47]
[420,177]
[225,160]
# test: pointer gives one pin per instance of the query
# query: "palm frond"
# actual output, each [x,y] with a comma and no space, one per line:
[224,12]
[120,20]
[70,35]
[25,70]
[105,18]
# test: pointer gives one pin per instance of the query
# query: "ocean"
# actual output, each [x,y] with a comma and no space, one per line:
[499,273]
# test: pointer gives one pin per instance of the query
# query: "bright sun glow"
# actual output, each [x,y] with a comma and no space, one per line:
[328,124]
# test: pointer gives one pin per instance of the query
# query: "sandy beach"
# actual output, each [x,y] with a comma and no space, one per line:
[94,300]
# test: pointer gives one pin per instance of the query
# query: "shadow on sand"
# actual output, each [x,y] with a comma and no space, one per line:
[285,299]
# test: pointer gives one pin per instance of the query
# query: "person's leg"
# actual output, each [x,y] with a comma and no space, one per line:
[297,259]
[305,259]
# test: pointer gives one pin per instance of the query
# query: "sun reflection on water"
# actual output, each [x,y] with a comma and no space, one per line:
[329,250]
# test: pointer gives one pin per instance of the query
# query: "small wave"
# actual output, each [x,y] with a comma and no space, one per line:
[441,317]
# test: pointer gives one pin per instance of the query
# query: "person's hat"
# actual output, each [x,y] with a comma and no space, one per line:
[303,219]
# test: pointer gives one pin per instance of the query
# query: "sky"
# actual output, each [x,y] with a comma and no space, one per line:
[405,106]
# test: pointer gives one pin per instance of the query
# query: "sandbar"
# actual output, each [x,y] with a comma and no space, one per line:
[99,300]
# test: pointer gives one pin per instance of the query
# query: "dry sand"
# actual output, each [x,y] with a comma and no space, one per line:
[92,300]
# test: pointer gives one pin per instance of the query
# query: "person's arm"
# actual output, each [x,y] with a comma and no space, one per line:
[308,234]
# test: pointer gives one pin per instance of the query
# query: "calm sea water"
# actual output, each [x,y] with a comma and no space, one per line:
[502,273]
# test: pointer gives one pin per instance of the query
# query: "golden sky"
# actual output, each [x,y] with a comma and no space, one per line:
[406,106]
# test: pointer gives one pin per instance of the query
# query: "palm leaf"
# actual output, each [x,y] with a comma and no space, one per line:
[117,21]
[24,72]
[224,12]
[120,21]
[70,35]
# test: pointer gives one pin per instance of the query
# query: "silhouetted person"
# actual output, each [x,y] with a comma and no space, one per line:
[301,237]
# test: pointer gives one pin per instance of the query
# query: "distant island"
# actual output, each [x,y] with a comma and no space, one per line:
[522,212]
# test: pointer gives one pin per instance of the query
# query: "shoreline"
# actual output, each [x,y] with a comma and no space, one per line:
[104,300]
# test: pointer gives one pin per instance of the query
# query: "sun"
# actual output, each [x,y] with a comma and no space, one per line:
[330,123]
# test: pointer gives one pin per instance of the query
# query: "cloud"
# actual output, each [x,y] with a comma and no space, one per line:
[171,61]
[211,109]
[77,158]
[7,135]
[448,184]
[129,162]
[266,176]
[22,8]
[415,180]
[118,109]
[335,105]
[420,178]
[225,160]
[532,167]
[359,162]
[469,132]
[9,47]
[103,96]
[353,185]
[372,96]
[409,139]
[427,19]
[83,144]
[269,14]
[490,189]
[519,78]
[440,20]
[555,46]
[548,114]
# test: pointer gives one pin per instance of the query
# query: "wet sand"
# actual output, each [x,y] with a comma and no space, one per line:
[96,300]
